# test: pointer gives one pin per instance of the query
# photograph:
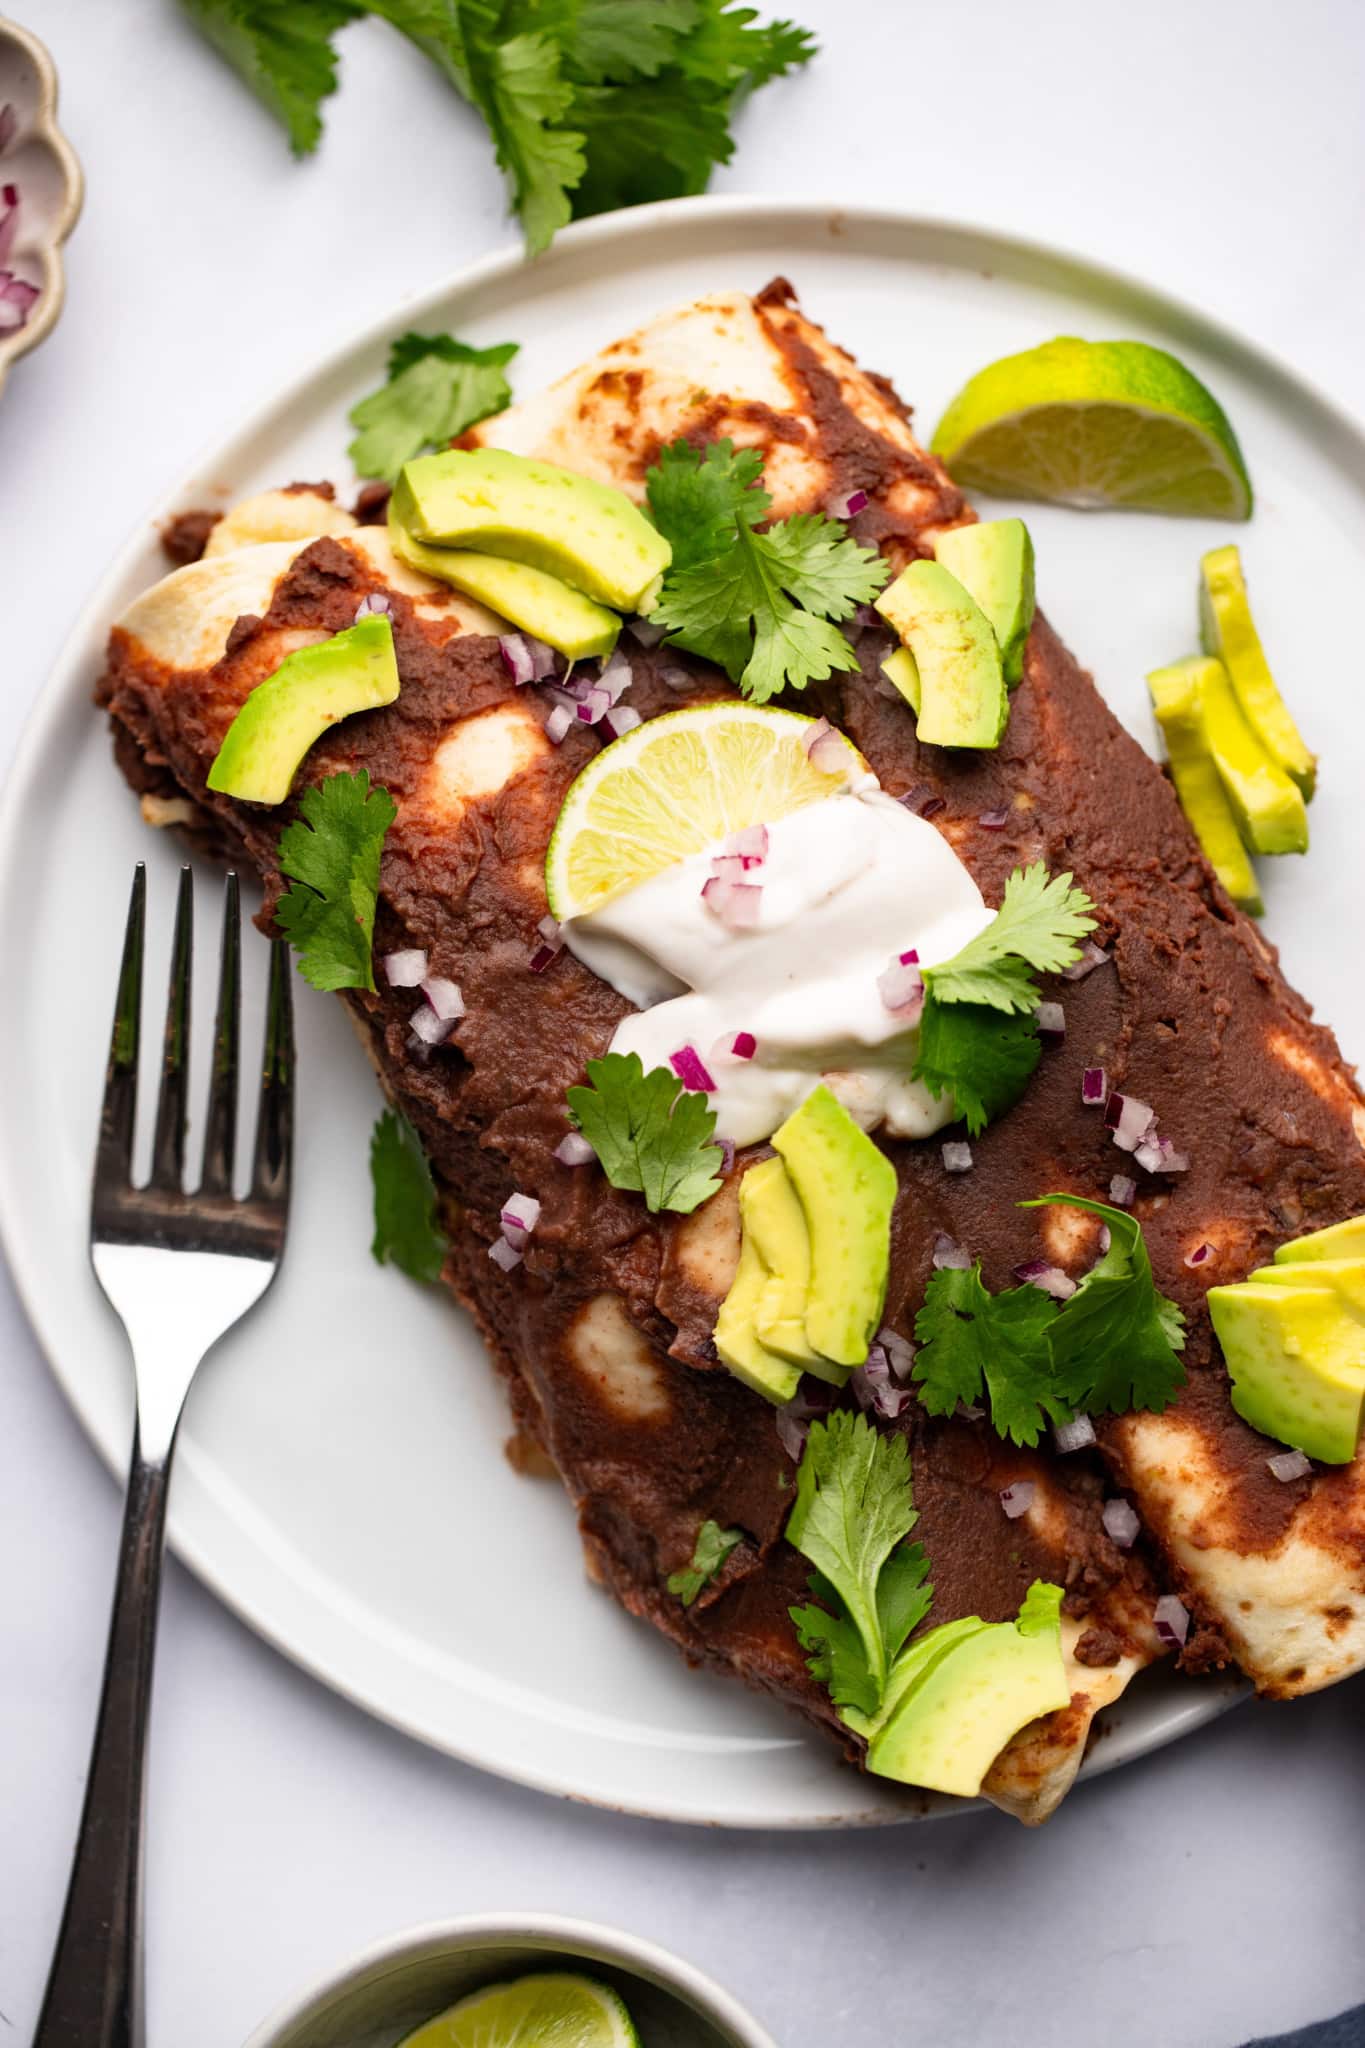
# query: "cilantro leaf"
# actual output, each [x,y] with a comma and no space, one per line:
[1040,1608]
[762,605]
[1114,1345]
[727,50]
[652,1135]
[284,52]
[651,138]
[972,1342]
[436,387]
[333,850]
[1035,927]
[713,1546]
[982,1057]
[854,1508]
[406,1233]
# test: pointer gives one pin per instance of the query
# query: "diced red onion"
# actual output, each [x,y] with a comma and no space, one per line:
[444,997]
[1200,1255]
[957,1156]
[932,805]
[615,678]
[1122,1189]
[1094,1087]
[993,821]
[792,1429]
[407,969]
[901,987]
[17,300]
[516,658]
[550,947]
[520,1215]
[825,749]
[560,723]
[1287,1465]
[735,1045]
[1051,1021]
[504,1254]
[728,867]
[431,1029]
[950,1256]
[900,1353]
[736,904]
[1158,1155]
[690,1068]
[750,845]
[1018,1498]
[1074,1435]
[846,506]
[543,957]
[676,678]
[594,707]
[544,660]
[1121,1522]
[571,689]
[1050,1279]
[874,1388]
[644,632]
[1171,1619]
[374,604]
[1092,956]
[1130,1121]
[574,1150]
[620,720]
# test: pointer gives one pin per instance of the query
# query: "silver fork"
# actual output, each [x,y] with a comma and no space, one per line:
[179,1270]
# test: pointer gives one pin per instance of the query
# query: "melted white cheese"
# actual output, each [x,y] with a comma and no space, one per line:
[848,884]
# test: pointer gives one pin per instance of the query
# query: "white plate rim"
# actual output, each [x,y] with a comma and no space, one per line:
[1025,257]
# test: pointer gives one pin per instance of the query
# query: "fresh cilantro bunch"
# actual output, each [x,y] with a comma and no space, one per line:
[332,850]
[653,1136]
[436,387]
[854,1508]
[713,1546]
[760,605]
[1110,1347]
[590,104]
[406,1233]
[978,1041]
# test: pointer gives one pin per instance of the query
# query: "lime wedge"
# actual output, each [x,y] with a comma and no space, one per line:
[533,2012]
[1099,425]
[681,782]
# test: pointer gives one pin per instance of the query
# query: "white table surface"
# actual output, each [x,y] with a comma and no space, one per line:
[1214,1891]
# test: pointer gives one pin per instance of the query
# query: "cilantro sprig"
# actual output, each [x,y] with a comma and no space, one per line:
[652,1136]
[406,1232]
[435,388]
[978,1041]
[590,104]
[332,850]
[712,1548]
[1110,1347]
[762,605]
[854,1509]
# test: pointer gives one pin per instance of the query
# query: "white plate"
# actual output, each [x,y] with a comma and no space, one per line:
[341,1480]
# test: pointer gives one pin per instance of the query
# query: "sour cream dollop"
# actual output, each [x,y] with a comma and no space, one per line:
[849,883]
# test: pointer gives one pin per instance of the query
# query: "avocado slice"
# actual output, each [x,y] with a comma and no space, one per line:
[310,690]
[586,533]
[736,1337]
[963,699]
[993,559]
[1176,701]
[1338,1241]
[1345,1276]
[544,605]
[900,669]
[1229,631]
[847,1189]
[1296,1358]
[955,1719]
[1268,807]
[913,1663]
[774,1219]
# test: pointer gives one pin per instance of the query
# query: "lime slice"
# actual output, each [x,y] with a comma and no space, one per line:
[1096,424]
[678,783]
[532,2012]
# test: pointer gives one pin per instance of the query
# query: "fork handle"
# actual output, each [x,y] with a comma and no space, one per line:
[94,1996]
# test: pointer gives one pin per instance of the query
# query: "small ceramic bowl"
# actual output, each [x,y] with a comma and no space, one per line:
[395,1987]
[40,194]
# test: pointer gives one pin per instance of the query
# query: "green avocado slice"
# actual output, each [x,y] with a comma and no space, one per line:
[847,1189]
[1176,701]
[311,689]
[1296,1358]
[544,605]
[963,699]
[586,533]
[1229,631]
[900,669]
[1346,1276]
[993,559]
[1338,1241]
[774,1219]
[738,1344]
[913,1664]
[1269,808]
